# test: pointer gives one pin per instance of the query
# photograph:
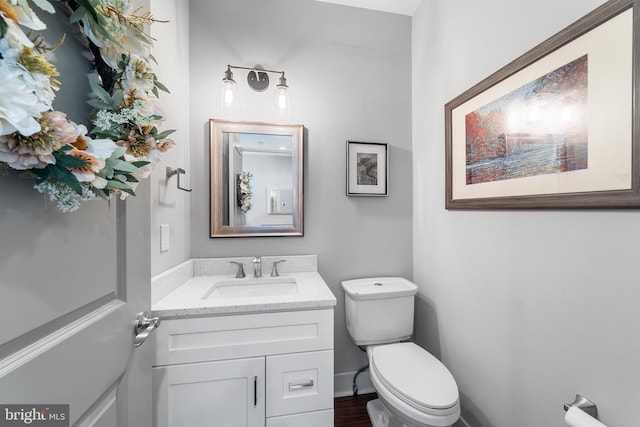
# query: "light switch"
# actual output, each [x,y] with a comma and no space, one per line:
[164,237]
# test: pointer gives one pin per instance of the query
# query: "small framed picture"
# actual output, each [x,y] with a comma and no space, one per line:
[367,168]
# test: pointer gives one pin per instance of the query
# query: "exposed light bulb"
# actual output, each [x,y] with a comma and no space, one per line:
[283,99]
[282,102]
[228,93]
[229,99]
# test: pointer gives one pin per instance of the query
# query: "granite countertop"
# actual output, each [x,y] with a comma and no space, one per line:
[187,299]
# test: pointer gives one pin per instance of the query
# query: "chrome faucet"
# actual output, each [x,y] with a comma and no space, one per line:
[274,270]
[240,273]
[257,267]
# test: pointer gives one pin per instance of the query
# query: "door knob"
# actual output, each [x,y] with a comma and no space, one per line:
[143,326]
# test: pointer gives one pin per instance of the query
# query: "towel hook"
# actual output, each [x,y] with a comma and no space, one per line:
[177,171]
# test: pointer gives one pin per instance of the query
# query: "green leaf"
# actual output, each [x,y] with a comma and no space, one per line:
[99,90]
[140,163]
[63,175]
[161,86]
[107,171]
[130,178]
[65,148]
[116,99]
[121,165]
[164,134]
[68,161]
[3,28]
[89,7]
[118,152]
[77,15]
[99,105]
[42,174]
[118,185]
[103,193]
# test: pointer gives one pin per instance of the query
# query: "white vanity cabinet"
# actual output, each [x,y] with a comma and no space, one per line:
[260,369]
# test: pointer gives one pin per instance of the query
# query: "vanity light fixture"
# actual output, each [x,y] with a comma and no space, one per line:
[258,80]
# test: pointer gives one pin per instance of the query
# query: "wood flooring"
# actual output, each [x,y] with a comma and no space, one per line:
[351,411]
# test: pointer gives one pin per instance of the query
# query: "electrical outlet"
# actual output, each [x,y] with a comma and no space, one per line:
[164,237]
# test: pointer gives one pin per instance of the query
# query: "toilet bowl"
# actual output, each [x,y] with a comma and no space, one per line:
[414,388]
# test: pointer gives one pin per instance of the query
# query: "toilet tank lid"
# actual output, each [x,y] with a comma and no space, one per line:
[379,287]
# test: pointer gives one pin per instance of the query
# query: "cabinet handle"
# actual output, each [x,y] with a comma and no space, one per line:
[255,391]
[298,386]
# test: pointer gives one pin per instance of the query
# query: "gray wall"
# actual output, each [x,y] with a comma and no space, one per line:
[169,205]
[526,308]
[349,72]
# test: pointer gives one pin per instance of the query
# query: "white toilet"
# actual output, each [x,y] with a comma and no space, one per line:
[414,388]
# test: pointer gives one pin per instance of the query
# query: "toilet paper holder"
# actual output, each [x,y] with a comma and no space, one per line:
[585,404]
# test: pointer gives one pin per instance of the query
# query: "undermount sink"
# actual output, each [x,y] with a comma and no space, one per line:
[251,288]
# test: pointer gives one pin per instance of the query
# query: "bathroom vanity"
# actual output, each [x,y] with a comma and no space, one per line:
[243,351]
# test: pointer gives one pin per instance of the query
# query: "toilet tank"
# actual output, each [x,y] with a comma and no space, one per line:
[379,309]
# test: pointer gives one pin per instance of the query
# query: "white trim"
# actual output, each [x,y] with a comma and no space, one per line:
[343,384]
[21,357]
[401,7]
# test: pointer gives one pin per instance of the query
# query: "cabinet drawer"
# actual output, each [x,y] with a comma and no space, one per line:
[308,419]
[300,382]
[246,335]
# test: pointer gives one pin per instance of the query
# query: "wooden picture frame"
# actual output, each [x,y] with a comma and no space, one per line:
[556,128]
[367,168]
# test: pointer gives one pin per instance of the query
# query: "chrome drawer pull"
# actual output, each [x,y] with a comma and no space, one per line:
[298,386]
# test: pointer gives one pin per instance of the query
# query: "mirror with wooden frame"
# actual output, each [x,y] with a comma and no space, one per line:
[256,179]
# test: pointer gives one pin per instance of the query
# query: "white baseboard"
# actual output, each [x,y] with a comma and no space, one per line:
[343,384]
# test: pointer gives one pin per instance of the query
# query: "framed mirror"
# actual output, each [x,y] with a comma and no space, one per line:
[256,179]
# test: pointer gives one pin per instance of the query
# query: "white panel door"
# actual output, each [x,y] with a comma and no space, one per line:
[70,286]
[227,393]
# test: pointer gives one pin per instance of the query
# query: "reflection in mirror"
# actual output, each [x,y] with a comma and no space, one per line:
[256,173]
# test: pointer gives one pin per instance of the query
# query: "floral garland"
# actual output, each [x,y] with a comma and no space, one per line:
[69,163]
[244,191]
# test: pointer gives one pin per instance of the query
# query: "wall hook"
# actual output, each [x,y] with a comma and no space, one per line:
[177,171]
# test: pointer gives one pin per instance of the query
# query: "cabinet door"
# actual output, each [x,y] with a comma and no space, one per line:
[227,393]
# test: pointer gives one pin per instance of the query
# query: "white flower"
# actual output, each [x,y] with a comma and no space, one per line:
[14,40]
[66,199]
[137,75]
[94,153]
[102,148]
[20,155]
[27,17]
[19,102]
[128,41]
[144,106]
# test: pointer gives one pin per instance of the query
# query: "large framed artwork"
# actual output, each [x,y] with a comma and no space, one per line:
[556,128]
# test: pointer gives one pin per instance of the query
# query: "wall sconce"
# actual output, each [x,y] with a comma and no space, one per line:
[258,80]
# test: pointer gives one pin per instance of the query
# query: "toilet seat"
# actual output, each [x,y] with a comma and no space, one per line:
[411,376]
